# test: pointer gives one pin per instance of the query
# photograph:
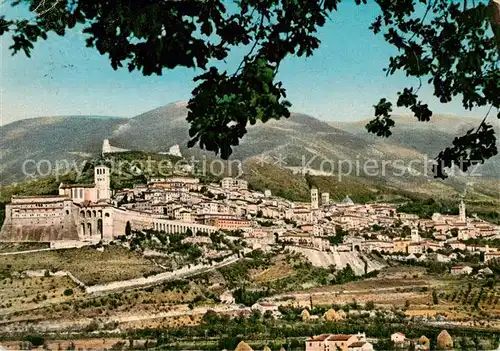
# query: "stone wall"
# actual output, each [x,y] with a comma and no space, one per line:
[59,219]
[40,219]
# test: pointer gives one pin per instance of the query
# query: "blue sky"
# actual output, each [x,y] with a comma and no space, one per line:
[341,81]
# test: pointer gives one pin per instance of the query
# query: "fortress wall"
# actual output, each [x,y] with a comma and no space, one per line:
[141,221]
[137,221]
[58,219]
[39,219]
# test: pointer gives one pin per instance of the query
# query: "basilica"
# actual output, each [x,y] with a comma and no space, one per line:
[81,212]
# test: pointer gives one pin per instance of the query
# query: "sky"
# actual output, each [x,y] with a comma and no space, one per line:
[340,82]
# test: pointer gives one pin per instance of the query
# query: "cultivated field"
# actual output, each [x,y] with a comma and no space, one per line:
[87,264]
[56,304]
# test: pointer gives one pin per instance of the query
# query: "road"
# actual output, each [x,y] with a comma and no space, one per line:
[155,279]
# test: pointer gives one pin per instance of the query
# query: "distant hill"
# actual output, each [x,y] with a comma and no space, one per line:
[69,138]
[294,142]
[427,137]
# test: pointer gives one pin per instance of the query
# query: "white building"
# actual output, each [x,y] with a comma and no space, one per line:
[461,270]
[227,297]
[314,198]
[398,338]
[229,183]
[325,199]
[107,148]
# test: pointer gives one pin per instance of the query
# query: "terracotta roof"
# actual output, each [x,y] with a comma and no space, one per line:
[321,337]
[340,337]
[357,344]
[62,186]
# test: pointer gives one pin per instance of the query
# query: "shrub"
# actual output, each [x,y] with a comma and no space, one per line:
[35,340]
[68,292]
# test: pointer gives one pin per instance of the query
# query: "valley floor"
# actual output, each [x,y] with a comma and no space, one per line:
[57,307]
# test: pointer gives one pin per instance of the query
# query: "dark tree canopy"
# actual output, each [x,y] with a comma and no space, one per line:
[451,45]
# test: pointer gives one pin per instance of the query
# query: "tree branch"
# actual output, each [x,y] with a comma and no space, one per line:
[484,119]
[495,20]
[257,38]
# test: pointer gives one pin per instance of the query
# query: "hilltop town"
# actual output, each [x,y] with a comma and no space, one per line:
[321,229]
[183,235]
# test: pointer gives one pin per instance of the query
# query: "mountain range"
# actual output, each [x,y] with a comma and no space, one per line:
[299,143]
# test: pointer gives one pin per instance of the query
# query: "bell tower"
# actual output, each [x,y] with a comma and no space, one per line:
[102,180]
[462,214]
[314,198]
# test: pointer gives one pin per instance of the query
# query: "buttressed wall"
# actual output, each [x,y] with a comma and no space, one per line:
[40,218]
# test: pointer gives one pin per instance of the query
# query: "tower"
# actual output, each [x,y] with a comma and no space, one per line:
[414,235]
[314,198]
[462,214]
[106,147]
[325,199]
[102,180]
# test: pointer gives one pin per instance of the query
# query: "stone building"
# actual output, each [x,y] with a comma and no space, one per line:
[325,199]
[314,198]
[82,212]
[229,183]
[99,191]
[338,342]
[108,149]
[39,218]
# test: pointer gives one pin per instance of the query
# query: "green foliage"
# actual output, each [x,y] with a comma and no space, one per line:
[258,331]
[68,292]
[338,238]
[35,340]
[266,223]
[176,285]
[491,216]
[433,267]
[385,344]
[43,186]
[238,273]
[2,213]
[135,167]
[345,275]
[482,242]
[249,297]
[440,44]
[451,47]
[435,299]
[252,89]
[426,208]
